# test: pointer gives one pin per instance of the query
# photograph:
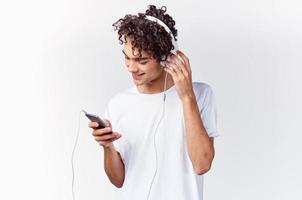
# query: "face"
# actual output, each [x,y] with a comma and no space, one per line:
[144,70]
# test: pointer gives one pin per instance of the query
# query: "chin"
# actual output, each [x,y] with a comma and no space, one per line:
[138,82]
[144,81]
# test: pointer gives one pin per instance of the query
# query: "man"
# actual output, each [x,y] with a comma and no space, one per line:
[157,148]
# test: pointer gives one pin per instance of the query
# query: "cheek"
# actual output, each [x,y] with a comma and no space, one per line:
[150,67]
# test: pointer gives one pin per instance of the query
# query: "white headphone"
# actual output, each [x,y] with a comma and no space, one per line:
[158,21]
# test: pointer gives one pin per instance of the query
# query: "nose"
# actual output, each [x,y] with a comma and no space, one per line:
[132,67]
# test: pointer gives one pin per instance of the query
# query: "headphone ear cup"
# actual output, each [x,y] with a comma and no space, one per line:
[162,64]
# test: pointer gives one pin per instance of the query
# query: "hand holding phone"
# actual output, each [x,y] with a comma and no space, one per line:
[102,130]
[95,118]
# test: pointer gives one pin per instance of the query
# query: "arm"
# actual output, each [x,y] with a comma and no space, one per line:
[114,166]
[200,145]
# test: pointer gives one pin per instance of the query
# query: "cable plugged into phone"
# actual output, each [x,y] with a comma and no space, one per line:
[72,155]
[93,118]
[101,123]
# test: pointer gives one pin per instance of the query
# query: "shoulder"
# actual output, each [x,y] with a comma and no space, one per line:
[201,89]
[203,93]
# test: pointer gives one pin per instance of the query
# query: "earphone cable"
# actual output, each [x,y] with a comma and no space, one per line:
[72,156]
[154,141]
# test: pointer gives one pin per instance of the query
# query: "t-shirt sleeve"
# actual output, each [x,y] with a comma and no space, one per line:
[119,143]
[208,112]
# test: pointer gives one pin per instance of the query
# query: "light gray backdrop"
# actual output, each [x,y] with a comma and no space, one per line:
[60,56]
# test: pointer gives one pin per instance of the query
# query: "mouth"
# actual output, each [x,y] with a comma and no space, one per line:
[137,76]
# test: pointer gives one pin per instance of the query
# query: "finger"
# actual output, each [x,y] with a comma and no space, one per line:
[102,131]
[177,70]
[103,143]
[186,60]
[107,137]
[171,72]
[107,122]
[177,59]
[180,64]
[93,124]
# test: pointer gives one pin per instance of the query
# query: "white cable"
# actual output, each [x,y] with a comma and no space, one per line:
[154,142]
[155,148]
[174,43]
[75,144]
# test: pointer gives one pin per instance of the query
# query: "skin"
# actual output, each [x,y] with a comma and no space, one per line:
[200,145]
[153,79]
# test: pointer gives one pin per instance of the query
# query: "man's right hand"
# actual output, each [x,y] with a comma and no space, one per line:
[104,136]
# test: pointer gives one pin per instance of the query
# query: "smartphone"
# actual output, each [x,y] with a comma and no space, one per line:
[95,118]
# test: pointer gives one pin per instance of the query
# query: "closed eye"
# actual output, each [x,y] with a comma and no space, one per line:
[142,63]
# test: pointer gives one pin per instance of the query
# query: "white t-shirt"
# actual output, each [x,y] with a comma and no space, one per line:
[136,115]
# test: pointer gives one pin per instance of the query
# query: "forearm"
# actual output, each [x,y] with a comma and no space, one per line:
[114,166]
[200,145]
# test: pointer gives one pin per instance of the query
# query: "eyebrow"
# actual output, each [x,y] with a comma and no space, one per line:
[142,58]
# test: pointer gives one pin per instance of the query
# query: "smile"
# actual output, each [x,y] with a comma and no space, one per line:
[136,77]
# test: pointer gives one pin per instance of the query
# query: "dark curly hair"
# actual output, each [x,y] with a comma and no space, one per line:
[148,35]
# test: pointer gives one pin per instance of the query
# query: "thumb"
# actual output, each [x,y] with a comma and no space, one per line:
[107,123]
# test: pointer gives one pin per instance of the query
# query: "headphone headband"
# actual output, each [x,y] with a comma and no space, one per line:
[158,21]
[154,19]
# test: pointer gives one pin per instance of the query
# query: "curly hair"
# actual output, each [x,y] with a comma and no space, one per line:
[148,35]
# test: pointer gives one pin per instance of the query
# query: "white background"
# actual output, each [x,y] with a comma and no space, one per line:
[58,57]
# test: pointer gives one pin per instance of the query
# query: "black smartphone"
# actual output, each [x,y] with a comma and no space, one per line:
[95,118]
